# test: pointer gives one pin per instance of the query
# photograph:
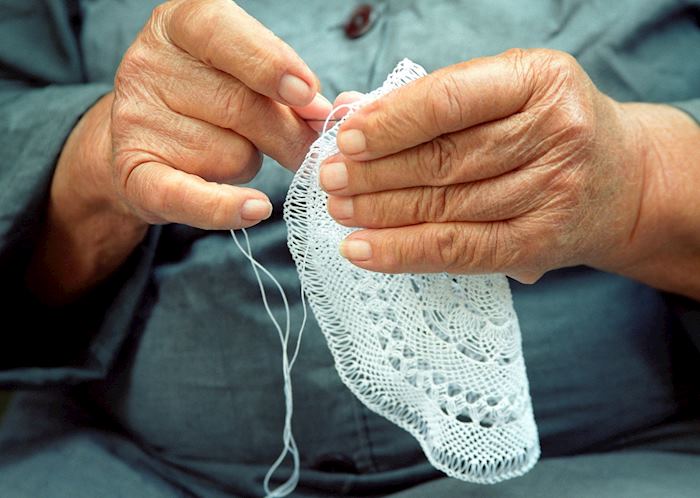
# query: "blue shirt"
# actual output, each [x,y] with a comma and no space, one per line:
[172,367]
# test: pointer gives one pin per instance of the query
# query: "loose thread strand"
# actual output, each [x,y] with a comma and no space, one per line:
[289,443]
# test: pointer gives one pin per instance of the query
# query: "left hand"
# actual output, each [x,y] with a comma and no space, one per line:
[514,164]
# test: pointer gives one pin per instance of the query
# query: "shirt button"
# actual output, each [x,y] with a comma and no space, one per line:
[360,22]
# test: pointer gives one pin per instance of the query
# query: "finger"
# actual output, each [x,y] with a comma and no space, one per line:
[342,103]
[207,94]
[483,151]
[197,147]
[315,113]
[458,248]
[348,97]
[327,120]
[451,99]
[221,34]
[166,195]
[318,109]
[501,198]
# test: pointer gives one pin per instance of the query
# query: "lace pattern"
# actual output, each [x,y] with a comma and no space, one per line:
[439,355]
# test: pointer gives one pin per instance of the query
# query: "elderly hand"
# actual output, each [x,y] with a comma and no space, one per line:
[200,94]
[514,164]
[203,90]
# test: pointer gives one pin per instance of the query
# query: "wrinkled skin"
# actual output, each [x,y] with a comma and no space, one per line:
[203,91]
[190,110]
[514,164]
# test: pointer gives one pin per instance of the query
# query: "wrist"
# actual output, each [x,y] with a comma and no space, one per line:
[83,181]
[88,232]
[663,248]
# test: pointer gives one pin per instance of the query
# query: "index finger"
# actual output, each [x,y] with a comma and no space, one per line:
[221,34]
[174,196]
[448,100]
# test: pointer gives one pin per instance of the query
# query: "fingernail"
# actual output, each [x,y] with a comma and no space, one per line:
[333,176]
[356,250]
[256,209]
[295,91]
[352,142]
[340,208]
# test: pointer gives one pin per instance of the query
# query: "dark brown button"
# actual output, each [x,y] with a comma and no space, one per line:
[360,21]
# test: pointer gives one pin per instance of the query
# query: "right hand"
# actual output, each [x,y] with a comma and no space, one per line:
[200,94]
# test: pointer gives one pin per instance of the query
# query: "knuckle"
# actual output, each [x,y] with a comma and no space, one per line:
[398,253]
[136,189]
[578,125]
[383,127]
[160,9]
[125,119]
[489,249]
[225,96]
[217,211]
[507,252]
[558,68]
[363,177]
[379,124]
[122,181]
[159,13]
[442,160]
[249,104]
[521,62]
[374,210]
[134,64]
[122,174]
[530,245]
[447,106]
[518,55]
[435,204]
[231,102]
[416,210]
[560,61]
[205,12]
[451,251]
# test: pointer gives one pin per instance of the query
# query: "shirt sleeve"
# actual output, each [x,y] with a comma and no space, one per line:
[43,93]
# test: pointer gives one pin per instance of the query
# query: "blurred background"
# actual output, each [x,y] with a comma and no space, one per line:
[4,398]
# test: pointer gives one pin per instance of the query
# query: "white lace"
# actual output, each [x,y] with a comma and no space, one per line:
[439,355]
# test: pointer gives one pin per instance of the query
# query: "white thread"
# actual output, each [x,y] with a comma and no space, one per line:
[332,113]
[289,444]
[439,355]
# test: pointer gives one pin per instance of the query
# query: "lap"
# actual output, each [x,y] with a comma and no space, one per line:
[75,466]
[63,456]
[633,474]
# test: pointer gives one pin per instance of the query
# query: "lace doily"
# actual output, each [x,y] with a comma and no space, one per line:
[437,354]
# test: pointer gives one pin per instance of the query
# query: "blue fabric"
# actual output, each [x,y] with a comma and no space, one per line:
[166,380]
